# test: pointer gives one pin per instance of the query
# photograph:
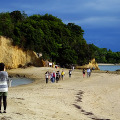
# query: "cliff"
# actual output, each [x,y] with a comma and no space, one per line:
[13,56]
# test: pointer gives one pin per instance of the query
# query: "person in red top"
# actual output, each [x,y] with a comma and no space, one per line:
[83,73]
[54,76]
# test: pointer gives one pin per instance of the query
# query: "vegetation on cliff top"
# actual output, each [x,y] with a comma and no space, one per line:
[59,42]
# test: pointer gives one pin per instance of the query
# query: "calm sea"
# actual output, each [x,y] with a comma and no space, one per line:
[20,81]
[109,67]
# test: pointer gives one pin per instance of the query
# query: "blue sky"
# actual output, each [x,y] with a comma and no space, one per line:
[100,19]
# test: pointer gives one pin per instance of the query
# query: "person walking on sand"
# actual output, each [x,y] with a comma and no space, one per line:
[83,73]
[88,72]
[46,76]
[3,87]
[62,74]
[73,68]
[70,72]
[51,77]
[57,76]
[54,76]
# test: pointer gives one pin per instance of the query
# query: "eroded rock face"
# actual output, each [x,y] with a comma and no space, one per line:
[92,64]
[13,56]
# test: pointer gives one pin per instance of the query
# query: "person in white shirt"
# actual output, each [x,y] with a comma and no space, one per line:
[3,86]
[46,76]
[88,72]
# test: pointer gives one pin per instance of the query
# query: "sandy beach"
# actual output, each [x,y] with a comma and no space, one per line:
[75,98]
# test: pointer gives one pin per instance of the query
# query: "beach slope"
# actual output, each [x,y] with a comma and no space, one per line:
[75,98]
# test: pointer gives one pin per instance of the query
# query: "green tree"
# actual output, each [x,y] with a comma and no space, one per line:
[17,16]
[6,25]
[58,42]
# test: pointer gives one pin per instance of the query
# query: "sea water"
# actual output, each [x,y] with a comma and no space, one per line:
[109,67]
[20,81]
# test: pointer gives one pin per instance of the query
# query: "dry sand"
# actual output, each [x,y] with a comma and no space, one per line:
[75,98]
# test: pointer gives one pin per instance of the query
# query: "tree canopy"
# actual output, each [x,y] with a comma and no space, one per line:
[58,42]
[102,55]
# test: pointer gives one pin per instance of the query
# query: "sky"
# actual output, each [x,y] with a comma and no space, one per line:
[100,19]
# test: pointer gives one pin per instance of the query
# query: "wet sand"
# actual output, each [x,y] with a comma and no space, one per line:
[75,98]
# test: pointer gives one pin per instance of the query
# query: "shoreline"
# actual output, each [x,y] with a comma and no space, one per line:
[74,98]
[34,80]
[106,64]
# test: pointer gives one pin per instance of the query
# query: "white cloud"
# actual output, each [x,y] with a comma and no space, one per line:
[97,21]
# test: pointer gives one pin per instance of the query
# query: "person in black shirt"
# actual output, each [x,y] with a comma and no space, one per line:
[57,76]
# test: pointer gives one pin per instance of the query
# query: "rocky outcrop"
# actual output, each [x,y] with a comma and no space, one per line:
[13,56]
[92,64]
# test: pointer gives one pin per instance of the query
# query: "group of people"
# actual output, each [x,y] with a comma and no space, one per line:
[54,76]
[88,72]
